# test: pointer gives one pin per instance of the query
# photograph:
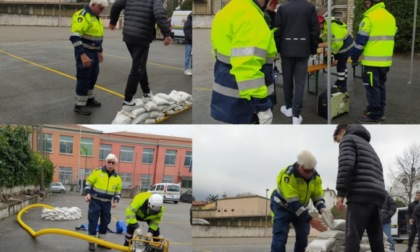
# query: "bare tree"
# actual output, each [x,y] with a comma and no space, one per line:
[212,197]
[406,174]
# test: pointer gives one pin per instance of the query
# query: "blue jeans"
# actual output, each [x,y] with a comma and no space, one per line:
[387,230]
[282,220]
[188,58]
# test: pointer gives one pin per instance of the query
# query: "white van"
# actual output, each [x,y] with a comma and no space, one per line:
[399,225]
[169,191]
[177,22]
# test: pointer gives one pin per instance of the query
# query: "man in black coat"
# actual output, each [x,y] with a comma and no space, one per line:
[188,45]
[296,38]
[388,210]
[360,180]
[140,18]
[412,221]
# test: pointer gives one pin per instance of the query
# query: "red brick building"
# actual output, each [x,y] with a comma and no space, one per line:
[143,159]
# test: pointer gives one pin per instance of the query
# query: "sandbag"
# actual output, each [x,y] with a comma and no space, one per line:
[323,245]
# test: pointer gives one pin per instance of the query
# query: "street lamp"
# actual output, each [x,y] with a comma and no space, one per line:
[266,210]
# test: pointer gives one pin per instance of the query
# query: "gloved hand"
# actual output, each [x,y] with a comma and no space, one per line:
[355,64]
[318,225]
[265,117]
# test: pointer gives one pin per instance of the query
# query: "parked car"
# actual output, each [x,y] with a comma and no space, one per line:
[169,191]
[187,197]
[57,187]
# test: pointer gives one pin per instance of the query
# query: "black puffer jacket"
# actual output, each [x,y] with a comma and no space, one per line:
[388,209]
[140,18]
[360,178]
[188,29]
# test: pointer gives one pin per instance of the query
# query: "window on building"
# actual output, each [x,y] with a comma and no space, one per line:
[48,143]
[66,144]
[86,147]
[148,155]
[84,173]
[168,179]
[126,154]
[188,158]
[186,183]
[146,182]
[65,175]
[104,150]
[170,157]
[126,179]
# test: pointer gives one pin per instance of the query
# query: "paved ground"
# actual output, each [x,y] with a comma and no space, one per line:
[175,227]
[37,70]
[402,98]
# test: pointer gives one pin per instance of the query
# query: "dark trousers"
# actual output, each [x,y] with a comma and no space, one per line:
[341,70]
[138,72]
[361,217]
[102,210]
[413,232]
[86,77]
[294,79]
[374,79]
[282,220]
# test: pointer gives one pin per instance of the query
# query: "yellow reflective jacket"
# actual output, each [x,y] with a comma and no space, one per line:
[341,41]
[381,28]
[243,45]
[103,186]
[294,191]
[87,31]
[138,211]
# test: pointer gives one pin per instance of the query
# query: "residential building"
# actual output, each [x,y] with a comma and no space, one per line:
[143,159]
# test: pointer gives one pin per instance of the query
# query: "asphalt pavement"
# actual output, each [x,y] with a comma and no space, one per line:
[402,107]
[37,70]
[175,227]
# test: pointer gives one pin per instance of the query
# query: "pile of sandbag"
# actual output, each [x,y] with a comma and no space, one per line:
[333,240]
[61,213]
[151,110]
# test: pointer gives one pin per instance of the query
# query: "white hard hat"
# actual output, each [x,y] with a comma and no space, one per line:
[155,202]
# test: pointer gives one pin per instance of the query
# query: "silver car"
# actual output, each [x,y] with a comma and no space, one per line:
[57,187]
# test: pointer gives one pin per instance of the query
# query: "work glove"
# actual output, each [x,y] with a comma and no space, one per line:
[265,117]
[355,64]
[318,225]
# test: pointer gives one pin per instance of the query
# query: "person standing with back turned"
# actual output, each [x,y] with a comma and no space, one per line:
[138,32]
[296,38]
[360,180]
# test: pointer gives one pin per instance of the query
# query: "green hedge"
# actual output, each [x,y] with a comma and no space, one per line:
[19,164]
[403,11]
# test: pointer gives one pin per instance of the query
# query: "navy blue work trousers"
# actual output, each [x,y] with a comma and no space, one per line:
[99,210]
[282,220]
[86,77]
[374,79]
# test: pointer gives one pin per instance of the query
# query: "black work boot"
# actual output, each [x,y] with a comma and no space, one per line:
[81,110]
[408,249]
[92,102]
[91,246]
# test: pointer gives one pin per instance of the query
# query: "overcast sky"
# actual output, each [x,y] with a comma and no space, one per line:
[239,159]
[164,130]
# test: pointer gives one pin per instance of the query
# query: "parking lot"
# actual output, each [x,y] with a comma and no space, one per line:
[37,69]
[175,227]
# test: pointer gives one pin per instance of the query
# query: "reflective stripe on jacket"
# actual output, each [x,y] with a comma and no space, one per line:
[244,48]
[294,191]
[104,186]
[341,41]
[380,25]
[87,30]
[138,210]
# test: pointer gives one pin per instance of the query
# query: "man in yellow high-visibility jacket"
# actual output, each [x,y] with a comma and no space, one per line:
[103,191]
[87,33]
[145,207]
[244,47]
[375,42]
[296,185]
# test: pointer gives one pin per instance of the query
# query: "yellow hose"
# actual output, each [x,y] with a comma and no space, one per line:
[64,231]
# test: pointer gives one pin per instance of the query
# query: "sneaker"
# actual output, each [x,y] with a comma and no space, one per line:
[147,97]
[297,120]
[81,110]
[286,112]
[91,246]
[366,119]
[408,249]
[92,102]
[188,72]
